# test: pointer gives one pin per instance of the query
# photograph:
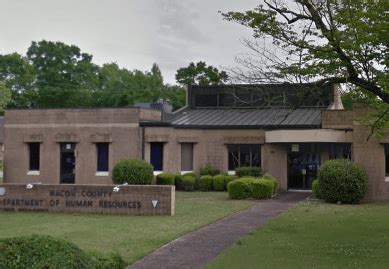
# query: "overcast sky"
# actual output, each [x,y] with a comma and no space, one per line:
[132,33]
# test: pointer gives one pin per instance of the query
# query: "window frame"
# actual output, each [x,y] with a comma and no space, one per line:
[162,146]
[34,161]
[191,146]
[238,148]
[99,160]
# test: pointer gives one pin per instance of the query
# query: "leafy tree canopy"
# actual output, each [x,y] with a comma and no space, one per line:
[201,74]
[5,96]
[54,74]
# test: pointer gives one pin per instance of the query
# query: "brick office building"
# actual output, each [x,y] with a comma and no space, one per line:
[289,130]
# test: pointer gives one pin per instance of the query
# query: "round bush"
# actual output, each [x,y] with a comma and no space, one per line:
[132,171]
[267,176]
[195,176]
[316,189]
[165,179]
[228,179]
[209,170]
[188,183]
[39,251]
[240,188]
[178,182]
[206,183]
[342,181]
[219,183]
[262,188]
[248,171]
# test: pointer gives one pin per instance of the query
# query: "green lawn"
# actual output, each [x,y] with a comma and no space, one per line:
[132,236]
[316,235]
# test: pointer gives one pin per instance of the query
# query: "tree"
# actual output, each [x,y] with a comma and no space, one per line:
[156,72]
[5,96]
[322,41]
[54,74]
[18,75]
[65,77]
[200,74]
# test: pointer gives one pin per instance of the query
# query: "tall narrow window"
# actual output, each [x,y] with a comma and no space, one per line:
[187,157]
[34,154]
[156,156]
[102,157]
[243,155]
[387,160]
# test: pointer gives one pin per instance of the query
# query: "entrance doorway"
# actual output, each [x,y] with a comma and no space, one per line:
[67,163]
[303,164]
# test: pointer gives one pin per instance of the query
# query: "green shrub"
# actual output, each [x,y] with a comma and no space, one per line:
[38,251]
[219,182]
[342,181]
[132,171]
[206,183]
[248,171]
[196,177]
[316,189]
[178,182]
[267,176]
[188,183]
[111,261]
[209,170]
[262,188]
[165,179]
[228,179]
[240,188]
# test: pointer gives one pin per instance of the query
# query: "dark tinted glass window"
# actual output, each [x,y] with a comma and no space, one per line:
[34,149]
[243,155]
[339,151]
[156,156]
[204,100]
[102,157]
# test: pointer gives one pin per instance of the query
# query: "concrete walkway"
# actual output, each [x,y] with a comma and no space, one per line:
[197,248]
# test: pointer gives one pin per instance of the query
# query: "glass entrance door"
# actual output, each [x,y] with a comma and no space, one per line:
[67,163]
[303,163]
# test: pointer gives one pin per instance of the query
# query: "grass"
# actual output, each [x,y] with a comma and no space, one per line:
[316,235]
[131,236]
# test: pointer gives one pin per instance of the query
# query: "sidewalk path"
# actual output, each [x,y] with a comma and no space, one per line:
[197,248]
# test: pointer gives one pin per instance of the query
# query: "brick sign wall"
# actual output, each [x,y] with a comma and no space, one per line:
[131,200]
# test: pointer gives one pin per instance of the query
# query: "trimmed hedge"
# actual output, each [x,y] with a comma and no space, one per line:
[267,176]
[240,188]
[188,183]
[38,251]
[228,179]
[178,182]
[133,171]
[165,178]
[219,182]
[316,188]
[209,170]
[244,171]
[249,187]
[262,188]
[206,183]
[342,181]
[196,177]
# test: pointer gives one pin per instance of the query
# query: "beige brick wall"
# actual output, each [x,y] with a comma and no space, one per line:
[120,127]
[209,145]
